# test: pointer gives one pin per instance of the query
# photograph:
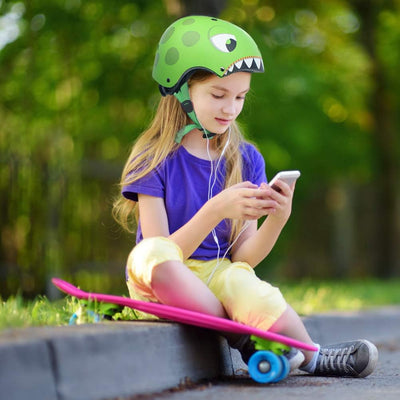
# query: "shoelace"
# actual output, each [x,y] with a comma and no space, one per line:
[336,360]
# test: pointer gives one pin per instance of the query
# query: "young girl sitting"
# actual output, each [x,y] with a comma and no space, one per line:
[197,189]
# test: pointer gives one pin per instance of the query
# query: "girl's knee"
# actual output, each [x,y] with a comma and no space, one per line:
[250,300]
[151,252]
[144,257]
[165,273]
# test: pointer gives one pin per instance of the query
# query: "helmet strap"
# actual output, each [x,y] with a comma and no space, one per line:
[183,97]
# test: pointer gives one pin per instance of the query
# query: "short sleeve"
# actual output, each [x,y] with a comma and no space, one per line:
[151,184]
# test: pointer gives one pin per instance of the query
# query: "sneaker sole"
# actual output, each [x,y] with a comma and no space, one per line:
[296,361]
[373,359]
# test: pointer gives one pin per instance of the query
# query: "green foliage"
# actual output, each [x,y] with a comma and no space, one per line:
[318,109]
[91,311]
[76,90]
[126,314]
[310,297]
[310,113]
[18,313]
[305,297]
[100,308]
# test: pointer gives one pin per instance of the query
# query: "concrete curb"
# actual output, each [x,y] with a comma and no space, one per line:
[105,361]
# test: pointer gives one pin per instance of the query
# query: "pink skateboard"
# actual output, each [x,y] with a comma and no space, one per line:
[264,366]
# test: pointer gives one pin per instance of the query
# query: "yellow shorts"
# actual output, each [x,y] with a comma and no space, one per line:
[245,297]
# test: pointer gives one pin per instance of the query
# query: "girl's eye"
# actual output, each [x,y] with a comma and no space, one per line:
[217,96]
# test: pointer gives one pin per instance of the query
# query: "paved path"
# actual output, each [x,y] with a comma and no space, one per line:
[383,384]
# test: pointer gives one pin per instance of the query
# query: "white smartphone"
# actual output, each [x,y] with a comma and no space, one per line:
[288,177]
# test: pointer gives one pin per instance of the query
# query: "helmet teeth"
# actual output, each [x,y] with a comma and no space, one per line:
[245,63]
[249,61]
[239,64]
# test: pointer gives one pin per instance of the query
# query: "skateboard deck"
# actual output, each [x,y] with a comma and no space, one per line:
[185,317]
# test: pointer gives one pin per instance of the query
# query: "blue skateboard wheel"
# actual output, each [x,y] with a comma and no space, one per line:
[72,320]
[95,317]
[285,369]
[265,366]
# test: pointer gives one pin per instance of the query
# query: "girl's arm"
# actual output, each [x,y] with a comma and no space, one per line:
[154,222]
[254,245]
[242,201]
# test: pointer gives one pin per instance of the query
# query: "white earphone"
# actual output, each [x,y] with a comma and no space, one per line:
[210,195]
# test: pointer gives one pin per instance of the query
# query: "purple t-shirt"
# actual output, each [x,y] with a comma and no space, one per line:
[182,180]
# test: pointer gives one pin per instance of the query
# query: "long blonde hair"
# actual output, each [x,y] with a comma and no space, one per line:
[158,141]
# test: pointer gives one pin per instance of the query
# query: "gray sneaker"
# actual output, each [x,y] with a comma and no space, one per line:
[355,359]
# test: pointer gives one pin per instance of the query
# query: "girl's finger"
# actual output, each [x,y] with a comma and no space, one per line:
[284,190]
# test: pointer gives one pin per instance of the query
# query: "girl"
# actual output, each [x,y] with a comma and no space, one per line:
[198,188]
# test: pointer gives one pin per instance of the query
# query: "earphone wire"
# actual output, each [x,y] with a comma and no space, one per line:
[219,260]
[210,194]
[211,185]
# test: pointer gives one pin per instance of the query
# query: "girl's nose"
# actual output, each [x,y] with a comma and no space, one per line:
[229,108]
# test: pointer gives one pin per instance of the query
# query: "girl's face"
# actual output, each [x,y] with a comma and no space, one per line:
[218,101]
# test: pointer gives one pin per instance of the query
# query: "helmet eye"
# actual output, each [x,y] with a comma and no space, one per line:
[224,42]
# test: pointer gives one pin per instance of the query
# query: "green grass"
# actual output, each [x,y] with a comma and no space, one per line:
[305,297]
[316,297]
[17,313]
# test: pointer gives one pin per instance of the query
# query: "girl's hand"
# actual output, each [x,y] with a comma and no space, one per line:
[245,201]
[283,199]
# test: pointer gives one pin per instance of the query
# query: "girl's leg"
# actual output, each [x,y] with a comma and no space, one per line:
[175,285]
[290,324]
[193,294]
[249,300]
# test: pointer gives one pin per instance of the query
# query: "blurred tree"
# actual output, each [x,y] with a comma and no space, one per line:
[380,37]
[317,115]
[76,89]
[203,7]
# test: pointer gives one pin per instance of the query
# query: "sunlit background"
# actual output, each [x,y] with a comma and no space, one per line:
[76,90]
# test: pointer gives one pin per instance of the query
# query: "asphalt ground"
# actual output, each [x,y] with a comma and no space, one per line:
[142,359]
[383,384]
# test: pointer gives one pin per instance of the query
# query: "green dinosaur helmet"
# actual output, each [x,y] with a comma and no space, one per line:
[200,42]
